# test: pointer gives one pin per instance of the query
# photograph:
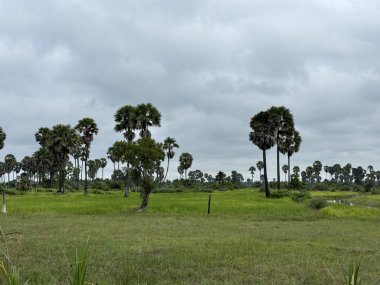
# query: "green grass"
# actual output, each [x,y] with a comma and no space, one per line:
[247,239]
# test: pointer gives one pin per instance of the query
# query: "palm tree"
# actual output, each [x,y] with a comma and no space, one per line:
[220,177]
[263,136]
[126,122]
[147,116]
[252,169]
[285,169]
[103,164]
[9,164]
[3,136]
[185,161]
[61,139]
[282,121]
[289,144]
[169,145]
[180,170]
[87,128]
[260,166]
[326,169]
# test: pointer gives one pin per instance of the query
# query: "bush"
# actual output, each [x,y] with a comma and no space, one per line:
[299,196]
[295,183]
[375,191]
[321,187]
[317,204]
[279,194]
[344,187]
[368,184]
[358,188]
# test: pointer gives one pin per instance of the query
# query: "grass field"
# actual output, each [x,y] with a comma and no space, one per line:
[247,239]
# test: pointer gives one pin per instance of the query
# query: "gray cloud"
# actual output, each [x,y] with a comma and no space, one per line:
[208,66]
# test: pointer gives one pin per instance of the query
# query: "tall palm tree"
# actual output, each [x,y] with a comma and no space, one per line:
[147,116]
[169,145]
[282,121]
[260,166]
[252,169]
[9,164]
[289,145]
[285,169]
[185,161]
[103,165]
[180,171]
[264,137]
[3,136]
[87,128]
[61,139]
[126,121]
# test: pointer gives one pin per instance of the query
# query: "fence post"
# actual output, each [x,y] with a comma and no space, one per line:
[209,204]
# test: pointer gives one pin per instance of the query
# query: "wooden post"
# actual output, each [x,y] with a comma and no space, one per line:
[209,204]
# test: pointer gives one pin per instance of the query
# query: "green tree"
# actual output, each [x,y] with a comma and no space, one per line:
[220,176]
[147,116]
[252,170]
[282,121]
[285,169]
[326,169]
[236,178]
[317,167]
[126,122]
[358,174]
[59,141]
[309,174]
[337,170]
[169,145]
[296,171]
[9,164]
[289,144]
[3,136]
[144,155]
[185,161]
[87,128]
[180,170]
[264,137]
[103,165]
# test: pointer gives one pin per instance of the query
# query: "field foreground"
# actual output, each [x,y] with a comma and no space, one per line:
[247,239]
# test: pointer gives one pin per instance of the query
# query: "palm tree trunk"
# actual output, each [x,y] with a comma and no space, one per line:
[126,190]
[102,172]
[278,166]
[167,170]
[81,172]
[85,177]
[266,186]
[288,172]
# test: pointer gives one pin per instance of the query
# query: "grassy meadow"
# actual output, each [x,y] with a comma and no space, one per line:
[247,239]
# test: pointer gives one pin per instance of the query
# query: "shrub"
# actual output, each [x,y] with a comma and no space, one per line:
[299,196]
[280,194]
[375,191]
[321,187]
[317,203]
[368,184]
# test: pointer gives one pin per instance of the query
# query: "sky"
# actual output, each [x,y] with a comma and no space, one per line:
[207,65]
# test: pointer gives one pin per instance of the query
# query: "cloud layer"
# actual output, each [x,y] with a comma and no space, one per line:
[208,66]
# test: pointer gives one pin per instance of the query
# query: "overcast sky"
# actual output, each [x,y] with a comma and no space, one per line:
[207,65]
